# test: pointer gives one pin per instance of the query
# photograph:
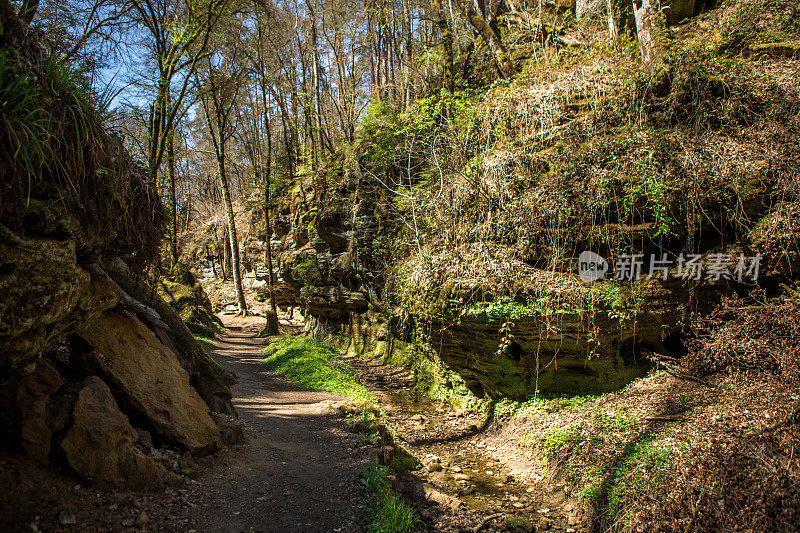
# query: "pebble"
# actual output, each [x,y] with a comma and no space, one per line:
[461,476]
[142,520]
[544,524]
[518,505]
[456,469]
[513,498]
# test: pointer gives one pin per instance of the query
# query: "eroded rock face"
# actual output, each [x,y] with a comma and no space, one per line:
[551,355]
[44,295]
[150,380]
[100,445]
[33,395]
[679,10]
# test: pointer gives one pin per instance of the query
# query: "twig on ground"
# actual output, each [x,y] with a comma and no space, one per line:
[482,524]
[661,360]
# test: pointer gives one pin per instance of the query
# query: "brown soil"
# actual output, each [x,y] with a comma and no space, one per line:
[294,470]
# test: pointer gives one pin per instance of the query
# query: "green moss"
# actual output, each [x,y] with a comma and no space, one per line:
[307,271]
[432,377]
[314,365]
[405,462]
[204,342]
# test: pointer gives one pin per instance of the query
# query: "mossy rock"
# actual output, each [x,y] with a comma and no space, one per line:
[192,305]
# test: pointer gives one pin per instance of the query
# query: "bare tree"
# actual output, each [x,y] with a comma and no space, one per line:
[651,28]
[219,91]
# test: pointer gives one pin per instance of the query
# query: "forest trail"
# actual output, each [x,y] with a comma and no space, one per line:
[296,466]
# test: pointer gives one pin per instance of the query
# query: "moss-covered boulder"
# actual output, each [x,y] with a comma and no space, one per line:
[193,305]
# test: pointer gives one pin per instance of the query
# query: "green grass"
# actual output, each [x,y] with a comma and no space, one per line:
[314,365]
[644,468]
[539,404]
[386,511]
[204,342]
[558,438]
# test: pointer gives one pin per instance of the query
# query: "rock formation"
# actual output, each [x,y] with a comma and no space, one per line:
[94,370]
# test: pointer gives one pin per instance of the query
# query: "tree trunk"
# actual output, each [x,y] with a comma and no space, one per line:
[492,39]
[620,18]
[651,29]
[235,268]
[226,255]
[447,43]
[173,200]
[272,326]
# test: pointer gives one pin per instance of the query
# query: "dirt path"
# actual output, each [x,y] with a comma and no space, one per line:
[294,470]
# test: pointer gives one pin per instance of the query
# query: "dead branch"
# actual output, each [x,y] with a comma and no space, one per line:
[482,524]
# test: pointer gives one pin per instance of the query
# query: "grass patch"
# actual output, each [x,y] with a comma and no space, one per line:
[314,365]
[644,470]
[386,511]
[540,404]
[204,342]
